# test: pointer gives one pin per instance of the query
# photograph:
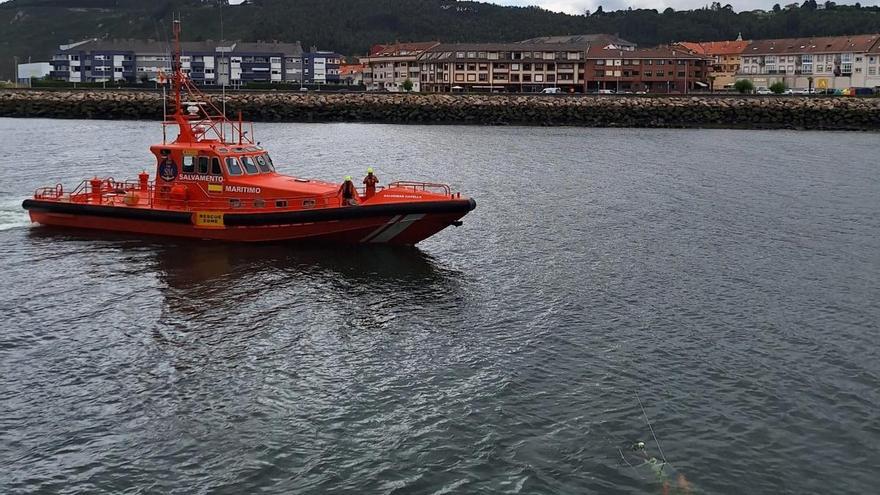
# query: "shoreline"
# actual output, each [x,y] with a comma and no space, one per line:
[639,111]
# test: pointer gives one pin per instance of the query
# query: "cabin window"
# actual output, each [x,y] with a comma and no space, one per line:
[233,166]
[215,167]
[259,203]
[264,166]
[203,164]
[281,203]
[249,165]
[188,164]
[269,161]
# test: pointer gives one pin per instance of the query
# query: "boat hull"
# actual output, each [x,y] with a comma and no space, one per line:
[398,223]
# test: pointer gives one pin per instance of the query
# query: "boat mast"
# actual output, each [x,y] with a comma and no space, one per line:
[186,134]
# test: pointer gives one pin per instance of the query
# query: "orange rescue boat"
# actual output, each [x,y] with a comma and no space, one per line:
[214,181]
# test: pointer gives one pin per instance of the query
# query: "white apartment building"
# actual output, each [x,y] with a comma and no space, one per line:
[834,62]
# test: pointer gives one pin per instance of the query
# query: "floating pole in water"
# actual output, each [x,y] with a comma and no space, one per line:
[662,456]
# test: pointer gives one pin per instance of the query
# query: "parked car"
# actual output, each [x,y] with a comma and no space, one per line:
[763,90]
[551,91]
[858,92]
[606,91]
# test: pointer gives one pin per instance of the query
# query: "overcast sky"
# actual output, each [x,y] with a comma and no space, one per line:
[579,6]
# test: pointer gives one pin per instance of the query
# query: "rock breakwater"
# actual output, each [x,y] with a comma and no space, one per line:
[828,113]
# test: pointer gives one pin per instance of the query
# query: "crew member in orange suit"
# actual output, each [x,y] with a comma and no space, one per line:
[349,193]
[370,181]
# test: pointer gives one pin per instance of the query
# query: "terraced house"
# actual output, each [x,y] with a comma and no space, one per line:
[834,62]
[207,63]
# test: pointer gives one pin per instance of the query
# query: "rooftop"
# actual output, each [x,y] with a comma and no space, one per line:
[402,49]
[588,39]
[827,44]
[715,47]
[159,47]
[642,53]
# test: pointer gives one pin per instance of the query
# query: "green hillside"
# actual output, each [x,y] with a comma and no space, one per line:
[34,28]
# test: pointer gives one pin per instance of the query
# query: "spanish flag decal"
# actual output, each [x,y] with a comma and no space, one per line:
[215,187]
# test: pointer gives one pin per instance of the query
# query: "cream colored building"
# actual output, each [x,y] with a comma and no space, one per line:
[834,62]
[520,67]
[389,66]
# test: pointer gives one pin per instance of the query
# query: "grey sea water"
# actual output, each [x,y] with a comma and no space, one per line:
[730,278]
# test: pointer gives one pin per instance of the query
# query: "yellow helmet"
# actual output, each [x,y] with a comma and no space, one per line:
[369,170]
[347,178]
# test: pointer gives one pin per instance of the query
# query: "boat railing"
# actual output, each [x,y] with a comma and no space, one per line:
[423,186]
[107,191]
[52,193]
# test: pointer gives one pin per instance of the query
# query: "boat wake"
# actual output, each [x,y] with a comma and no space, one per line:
[11,213]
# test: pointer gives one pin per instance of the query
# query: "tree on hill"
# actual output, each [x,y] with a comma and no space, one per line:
[36,27]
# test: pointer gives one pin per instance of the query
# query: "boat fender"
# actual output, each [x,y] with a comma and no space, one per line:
[457,223]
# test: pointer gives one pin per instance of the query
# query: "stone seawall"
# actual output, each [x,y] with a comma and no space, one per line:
[831,113]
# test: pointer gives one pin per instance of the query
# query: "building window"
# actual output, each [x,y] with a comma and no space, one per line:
[514,78]
[472,67]
[527,78]
[527,66]
[471,77]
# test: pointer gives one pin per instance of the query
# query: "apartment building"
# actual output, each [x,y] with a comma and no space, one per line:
[648,70]
[834,62]
[321,67]
[207,63]
[388,66]
[726,59]
[522,67]
[572,67]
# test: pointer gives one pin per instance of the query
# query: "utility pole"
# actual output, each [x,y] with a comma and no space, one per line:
[15,70]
